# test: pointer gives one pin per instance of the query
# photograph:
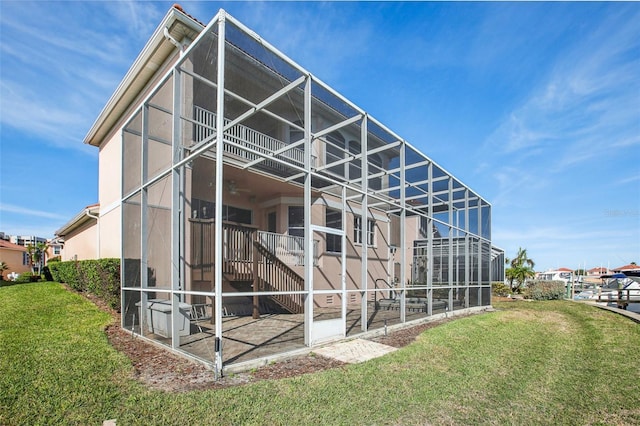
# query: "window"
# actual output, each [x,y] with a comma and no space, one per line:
[236,214]
[335,152]
[25,258]
[375,166]
[295,134]
[333,219]
[355,165]
[296,221]
[357,230]
[56,250]
[272,224]
[206,210]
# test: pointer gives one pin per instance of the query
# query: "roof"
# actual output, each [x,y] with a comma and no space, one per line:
[629,267]
[86,215]
[10,246]
[158,49]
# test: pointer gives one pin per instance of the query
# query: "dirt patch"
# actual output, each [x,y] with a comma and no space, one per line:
[162,370]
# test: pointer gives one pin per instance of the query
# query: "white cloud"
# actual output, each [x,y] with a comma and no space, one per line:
[33,113]
[9,208]
[54,81]
[588,104]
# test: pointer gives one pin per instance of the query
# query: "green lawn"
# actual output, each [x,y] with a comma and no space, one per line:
[526,363]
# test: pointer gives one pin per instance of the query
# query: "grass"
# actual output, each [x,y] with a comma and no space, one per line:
[526,363]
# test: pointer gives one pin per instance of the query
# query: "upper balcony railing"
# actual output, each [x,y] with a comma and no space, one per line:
[288,248]
[254,142]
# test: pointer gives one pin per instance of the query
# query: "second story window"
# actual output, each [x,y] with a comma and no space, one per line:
[333,219]
[334,151]
[357,230]
[296,221]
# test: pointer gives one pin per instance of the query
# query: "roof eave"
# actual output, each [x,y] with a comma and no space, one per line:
[146,61]
[79,220]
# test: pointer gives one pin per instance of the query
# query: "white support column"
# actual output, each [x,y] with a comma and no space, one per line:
[430,262]
[218,258]
[177,203]
[308,236]
[467,240]
[480,245]
[144,263]
[364,222]
[403,238]
[450,251]
[343,260]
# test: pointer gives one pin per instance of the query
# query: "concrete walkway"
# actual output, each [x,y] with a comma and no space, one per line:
[632,312]
[354,351]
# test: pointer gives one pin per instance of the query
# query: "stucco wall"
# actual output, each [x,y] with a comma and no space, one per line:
[81,243]
[14,260]
[110,223]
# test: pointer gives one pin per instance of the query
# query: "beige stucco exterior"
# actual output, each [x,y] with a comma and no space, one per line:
[81,243]
[13,256]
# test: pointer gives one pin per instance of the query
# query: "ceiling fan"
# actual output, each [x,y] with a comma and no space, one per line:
[232,187]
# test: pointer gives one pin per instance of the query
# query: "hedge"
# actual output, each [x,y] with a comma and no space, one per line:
[545,290]
[100,277]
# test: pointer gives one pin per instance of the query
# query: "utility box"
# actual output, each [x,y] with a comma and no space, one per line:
[159,319]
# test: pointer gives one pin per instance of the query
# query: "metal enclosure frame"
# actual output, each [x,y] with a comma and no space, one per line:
[425,214]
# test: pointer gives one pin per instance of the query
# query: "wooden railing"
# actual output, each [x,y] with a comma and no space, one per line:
[202,244]
[275,275]
[247,137]
[237,255]
[288,248]
[245,259]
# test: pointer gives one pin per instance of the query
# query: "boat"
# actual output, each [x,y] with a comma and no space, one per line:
[618,288]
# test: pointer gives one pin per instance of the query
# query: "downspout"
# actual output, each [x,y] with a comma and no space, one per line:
[181,46]
[171,39]
[97,218]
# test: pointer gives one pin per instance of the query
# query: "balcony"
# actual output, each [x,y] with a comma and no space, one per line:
[247,145]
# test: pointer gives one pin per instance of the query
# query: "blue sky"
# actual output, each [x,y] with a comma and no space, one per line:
[536,106]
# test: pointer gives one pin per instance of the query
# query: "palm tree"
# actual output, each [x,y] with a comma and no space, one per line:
[37,255]
[34,255]
[3,267]
[521,259]
[521,269]
[42,249]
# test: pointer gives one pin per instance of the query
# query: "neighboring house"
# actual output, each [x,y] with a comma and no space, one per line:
[54,248]
[632,267]
[596,272]
[81,236]
[16,258]
[233,182]
[560,274]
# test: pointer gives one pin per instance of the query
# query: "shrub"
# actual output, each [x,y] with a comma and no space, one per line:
[500,289]
[545,290]
[100,277]
[27,277]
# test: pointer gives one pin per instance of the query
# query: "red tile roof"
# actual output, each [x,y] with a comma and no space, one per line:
[176,6]
[629,267]
[8,245]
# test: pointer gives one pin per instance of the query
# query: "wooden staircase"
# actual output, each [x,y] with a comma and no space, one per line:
[248,265]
